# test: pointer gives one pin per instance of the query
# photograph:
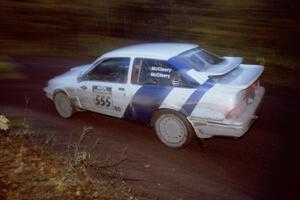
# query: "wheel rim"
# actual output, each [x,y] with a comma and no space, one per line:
[63,105]
[171,129]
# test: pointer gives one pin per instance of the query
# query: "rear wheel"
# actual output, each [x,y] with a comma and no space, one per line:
[173,129]
[63,105]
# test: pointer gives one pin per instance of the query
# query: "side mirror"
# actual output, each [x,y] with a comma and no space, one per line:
[82,77]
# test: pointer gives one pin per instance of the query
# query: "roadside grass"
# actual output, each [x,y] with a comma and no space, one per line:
[259,31]
[280,69]
[82,46]
[9,70]
[29,169]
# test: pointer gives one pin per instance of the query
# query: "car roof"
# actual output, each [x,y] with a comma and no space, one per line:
[163,51]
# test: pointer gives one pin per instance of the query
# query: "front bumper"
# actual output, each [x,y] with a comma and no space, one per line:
[229,127]
[48,92]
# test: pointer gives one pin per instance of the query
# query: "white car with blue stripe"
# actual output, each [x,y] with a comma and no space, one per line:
[179,89]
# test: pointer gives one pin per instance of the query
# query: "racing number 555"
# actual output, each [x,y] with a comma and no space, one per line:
[104,101]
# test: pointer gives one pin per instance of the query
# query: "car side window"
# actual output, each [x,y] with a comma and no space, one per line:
[156,72]
[110,70]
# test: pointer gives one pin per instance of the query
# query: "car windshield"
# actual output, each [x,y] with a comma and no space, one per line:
[198,59]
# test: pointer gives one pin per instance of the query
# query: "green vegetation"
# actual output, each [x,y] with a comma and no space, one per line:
[263,32]
[9,70]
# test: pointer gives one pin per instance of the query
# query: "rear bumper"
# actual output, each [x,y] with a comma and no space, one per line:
[229,127]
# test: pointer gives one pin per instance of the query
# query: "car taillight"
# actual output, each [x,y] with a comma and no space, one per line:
[254,86]
[248,96]
[238,110]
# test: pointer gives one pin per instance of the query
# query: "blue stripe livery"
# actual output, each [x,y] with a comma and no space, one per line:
[192,101]
[149,98]
[145,101]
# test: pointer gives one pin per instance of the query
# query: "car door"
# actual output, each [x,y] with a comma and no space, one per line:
[104,89]
[156,84]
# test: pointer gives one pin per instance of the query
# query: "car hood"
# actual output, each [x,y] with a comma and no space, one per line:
[74,72]
[69,76]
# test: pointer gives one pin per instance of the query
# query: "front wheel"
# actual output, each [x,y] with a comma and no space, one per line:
[173,129]
[63,105]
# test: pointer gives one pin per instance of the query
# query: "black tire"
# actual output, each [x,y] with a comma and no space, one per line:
[63,105]
[172,128]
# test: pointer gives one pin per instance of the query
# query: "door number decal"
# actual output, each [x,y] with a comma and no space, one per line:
[103,101]
[104,98]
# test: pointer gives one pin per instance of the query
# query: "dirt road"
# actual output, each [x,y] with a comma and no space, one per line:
[261,165]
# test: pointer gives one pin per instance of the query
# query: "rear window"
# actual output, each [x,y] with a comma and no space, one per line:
[198,59]
[209,57]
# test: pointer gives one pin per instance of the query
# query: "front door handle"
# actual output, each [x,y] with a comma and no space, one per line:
[122,89]
[83,87]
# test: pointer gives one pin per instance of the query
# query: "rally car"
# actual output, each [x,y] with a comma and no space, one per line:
[182,90]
